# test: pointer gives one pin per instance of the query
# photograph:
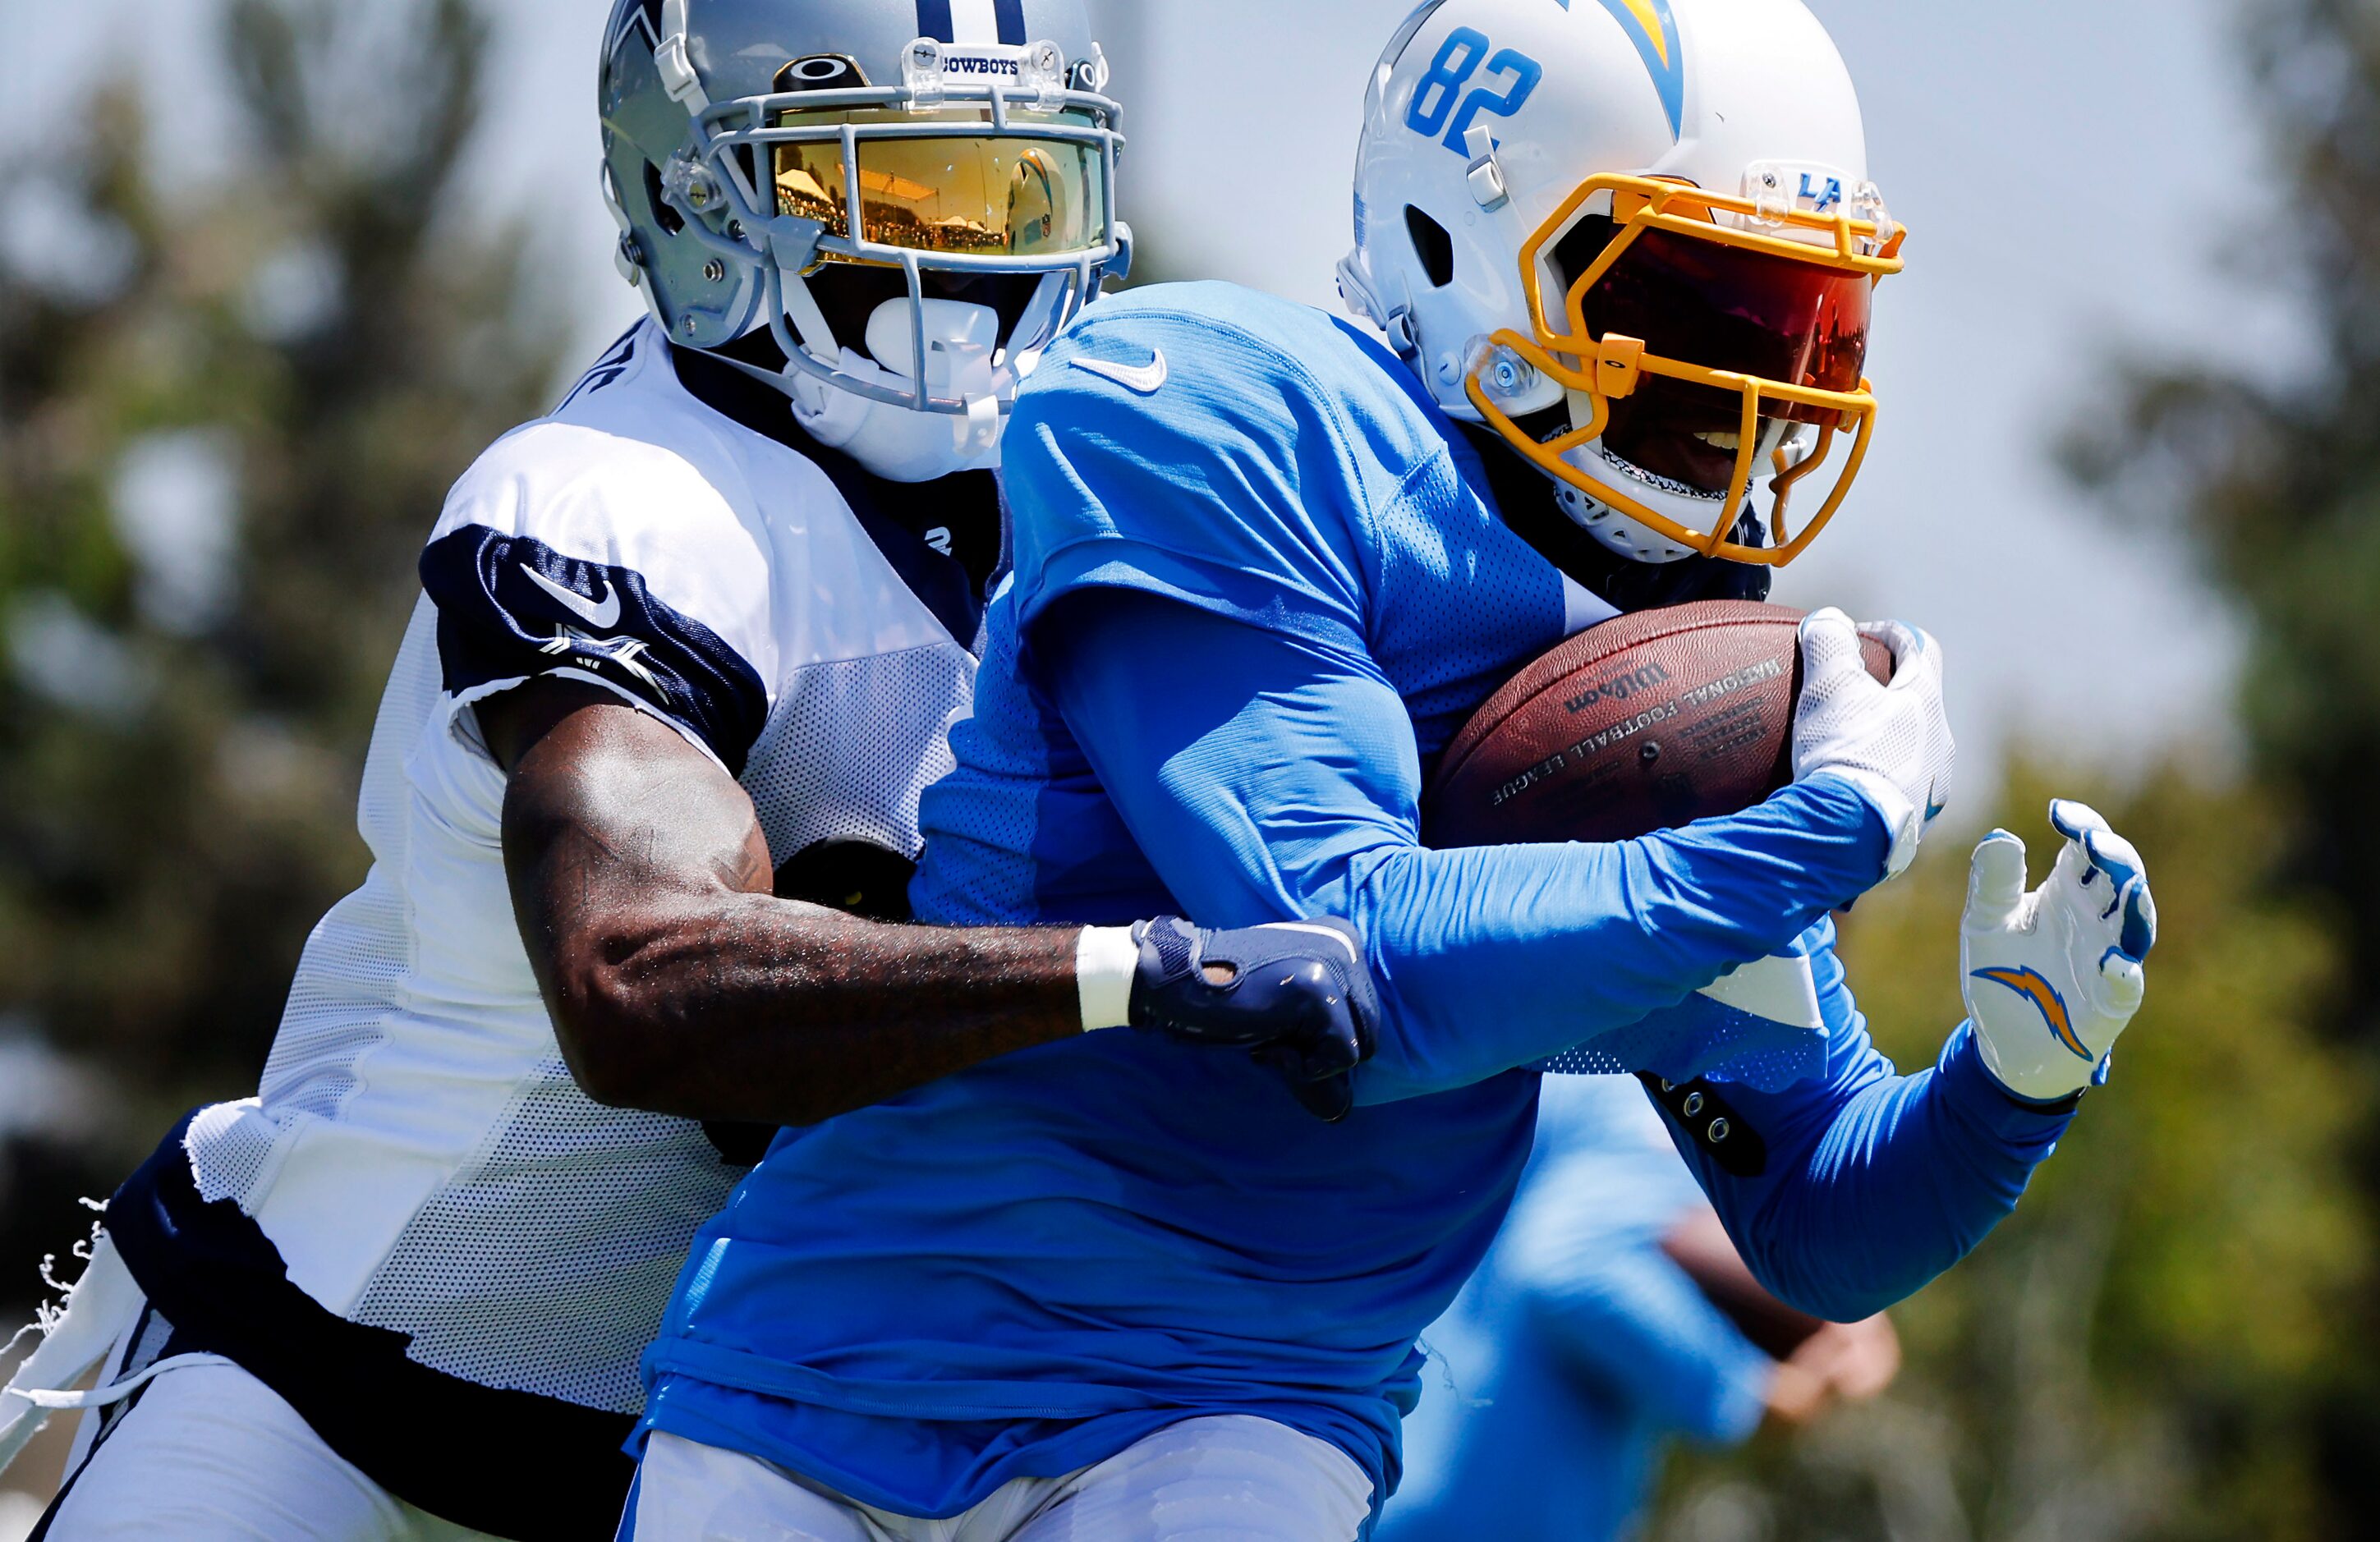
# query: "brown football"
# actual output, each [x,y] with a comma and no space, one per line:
[1645,723]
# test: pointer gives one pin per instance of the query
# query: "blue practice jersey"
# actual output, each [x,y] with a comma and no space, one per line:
[1247,608]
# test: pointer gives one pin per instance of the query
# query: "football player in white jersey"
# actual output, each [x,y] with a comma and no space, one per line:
[643,805]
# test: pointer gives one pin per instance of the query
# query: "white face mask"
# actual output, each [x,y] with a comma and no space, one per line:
[900,444]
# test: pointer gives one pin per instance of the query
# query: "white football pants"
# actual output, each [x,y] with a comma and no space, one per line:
[208,1454]
[1236,1479]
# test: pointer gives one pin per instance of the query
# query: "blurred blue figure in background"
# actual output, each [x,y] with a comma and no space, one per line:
[1612,1315]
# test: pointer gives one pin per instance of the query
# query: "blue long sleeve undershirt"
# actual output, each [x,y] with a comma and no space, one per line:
[1876,1181]
[1278,780]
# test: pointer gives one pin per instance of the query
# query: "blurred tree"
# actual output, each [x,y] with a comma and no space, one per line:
[228,414]
[2144,1348]
[2276,476]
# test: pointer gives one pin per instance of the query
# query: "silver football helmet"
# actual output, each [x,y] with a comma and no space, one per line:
[972,136]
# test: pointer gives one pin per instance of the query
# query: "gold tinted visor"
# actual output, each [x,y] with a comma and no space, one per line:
[963,194]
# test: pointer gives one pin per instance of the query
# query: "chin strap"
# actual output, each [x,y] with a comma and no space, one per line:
[678,75]
[1634,585]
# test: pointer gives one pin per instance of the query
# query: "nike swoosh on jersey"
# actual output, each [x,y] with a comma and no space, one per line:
[1146,378]
[602,616]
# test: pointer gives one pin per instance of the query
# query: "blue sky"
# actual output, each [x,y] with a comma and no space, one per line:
[2053,160]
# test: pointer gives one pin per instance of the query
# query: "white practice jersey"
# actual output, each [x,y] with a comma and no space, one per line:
[419,1154]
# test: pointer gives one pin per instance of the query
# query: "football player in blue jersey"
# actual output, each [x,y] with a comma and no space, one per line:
[1264,565]
[1611,1319]
[686,652]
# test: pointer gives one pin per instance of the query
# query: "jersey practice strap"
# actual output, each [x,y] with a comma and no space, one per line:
[507,1462]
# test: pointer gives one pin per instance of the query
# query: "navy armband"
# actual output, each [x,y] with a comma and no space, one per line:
[512,608]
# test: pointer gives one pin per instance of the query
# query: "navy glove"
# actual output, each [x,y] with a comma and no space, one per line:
[1297,996]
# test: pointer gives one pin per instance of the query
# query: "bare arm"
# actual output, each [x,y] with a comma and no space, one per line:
[1818,1362]
[678,982]
[1699,1245]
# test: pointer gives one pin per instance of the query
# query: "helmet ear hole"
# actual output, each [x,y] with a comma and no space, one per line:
[669,219]
[1433,245]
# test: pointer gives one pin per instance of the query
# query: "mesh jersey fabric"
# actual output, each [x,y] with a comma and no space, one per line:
[1024,1267]
[1731,1045]
[419,1154]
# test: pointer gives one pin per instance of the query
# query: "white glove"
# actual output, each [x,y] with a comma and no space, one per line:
[2052,977]
[1891,742]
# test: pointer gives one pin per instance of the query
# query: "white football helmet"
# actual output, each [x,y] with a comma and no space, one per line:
[1635,237]
[975,143]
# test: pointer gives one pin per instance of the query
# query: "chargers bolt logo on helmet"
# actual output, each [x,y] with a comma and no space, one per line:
[1648,266]
[1655,32]
[749,145]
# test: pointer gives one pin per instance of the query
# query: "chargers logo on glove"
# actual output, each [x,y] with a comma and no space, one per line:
[2053,976]
[2030,984]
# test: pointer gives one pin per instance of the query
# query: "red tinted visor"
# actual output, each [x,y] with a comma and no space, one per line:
[1743,311]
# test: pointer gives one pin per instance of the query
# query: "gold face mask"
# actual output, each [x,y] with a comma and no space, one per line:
[1686,338]
[949,194]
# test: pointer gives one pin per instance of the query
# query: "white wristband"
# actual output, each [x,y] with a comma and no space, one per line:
[1106,961]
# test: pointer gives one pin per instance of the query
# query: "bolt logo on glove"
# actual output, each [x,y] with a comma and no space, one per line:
[1297,996]
[2032,985]
[2052,978]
